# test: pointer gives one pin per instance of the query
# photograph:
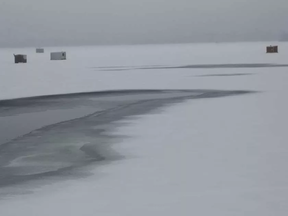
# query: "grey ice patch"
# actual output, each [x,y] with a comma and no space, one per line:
[225,75]
[62,149]
[196,66]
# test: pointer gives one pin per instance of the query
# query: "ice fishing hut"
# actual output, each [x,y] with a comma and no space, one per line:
[39,50]
[272,49]
[19,58]
[58,56]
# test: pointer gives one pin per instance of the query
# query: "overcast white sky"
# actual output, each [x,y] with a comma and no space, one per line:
[85,22]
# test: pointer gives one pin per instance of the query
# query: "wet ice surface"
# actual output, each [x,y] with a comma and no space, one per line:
[22,123]
[51,136]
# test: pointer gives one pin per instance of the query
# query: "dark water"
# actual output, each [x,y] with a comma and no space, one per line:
[44,137]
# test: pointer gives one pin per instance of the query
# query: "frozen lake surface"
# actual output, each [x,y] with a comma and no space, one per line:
[192,129]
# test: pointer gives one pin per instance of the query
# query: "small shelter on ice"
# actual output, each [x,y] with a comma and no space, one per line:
[39,50]
[19,58]
[58,56]
[272,49]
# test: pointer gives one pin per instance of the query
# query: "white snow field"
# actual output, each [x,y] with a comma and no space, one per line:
[222,156]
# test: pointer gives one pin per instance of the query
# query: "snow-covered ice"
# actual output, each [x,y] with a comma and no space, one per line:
[82,70]
[219,156]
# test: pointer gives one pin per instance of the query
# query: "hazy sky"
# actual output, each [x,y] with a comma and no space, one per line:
[84,22]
